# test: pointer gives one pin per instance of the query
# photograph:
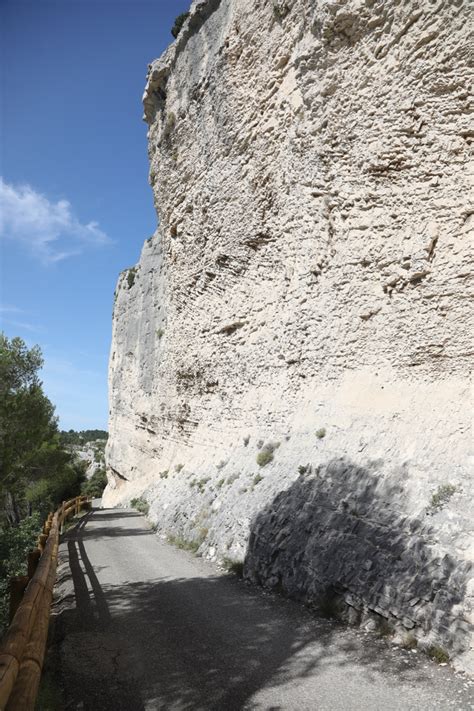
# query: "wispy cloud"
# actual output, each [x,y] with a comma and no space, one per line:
[22,325]
[6,309]
[13,316]
[49,230]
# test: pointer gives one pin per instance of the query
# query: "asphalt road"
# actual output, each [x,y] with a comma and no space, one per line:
[142,625]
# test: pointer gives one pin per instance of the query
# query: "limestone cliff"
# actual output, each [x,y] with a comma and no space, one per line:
[288,374]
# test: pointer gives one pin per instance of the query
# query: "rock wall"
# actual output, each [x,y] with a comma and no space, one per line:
[289,366]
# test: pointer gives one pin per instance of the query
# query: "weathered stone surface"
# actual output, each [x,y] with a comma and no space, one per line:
[308,286]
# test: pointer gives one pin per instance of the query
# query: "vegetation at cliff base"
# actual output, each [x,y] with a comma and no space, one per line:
[140,504]
[95,486]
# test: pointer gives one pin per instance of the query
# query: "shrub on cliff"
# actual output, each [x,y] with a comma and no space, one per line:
[178,23]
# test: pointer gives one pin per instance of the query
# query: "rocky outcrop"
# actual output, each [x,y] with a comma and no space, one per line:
[288,374]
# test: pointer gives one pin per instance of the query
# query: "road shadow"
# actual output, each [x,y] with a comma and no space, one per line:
[339,539]
[205,643]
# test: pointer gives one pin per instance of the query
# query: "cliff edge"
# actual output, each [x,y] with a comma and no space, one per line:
[289,365]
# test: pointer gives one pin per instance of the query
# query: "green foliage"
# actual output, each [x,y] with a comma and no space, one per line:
[131,274]
[257,479]
[36,470]
[441,496]
[170,123]
[164,474]
[73,437]
[183,543]
[178,23]
[321,433]
[265,456]
[220,483]
[141,505]
[159,333]
[233,566]
[96,484]
[45,494]
[302,469]
[201,484]
[178,468]
[15,544]
[438,654]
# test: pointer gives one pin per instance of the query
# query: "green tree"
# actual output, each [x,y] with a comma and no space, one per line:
[30,449]
[96,484]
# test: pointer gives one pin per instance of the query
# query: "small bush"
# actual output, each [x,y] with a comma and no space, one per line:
[280,9]
[178,467]
[257,479]
[265,456]
[409,641]
[236,567]
[220,483]
[438,654]
[131,277]
[246,440]
[178,24]
[203,533]
[168,130]
[232,478]
[189,545]
[302,469]
[183,544]
[159,332]
[141,505]
[201,484]
[164,475]
[321,433]
[442,495]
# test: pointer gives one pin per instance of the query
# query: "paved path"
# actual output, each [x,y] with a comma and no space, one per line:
[147,626]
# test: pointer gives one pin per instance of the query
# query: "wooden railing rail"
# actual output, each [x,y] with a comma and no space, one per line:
[23,648]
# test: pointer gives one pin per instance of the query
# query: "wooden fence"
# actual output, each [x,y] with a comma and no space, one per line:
[23,648]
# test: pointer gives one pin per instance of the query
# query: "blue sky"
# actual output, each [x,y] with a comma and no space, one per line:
[76,201]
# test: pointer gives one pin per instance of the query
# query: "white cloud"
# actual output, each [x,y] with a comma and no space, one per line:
[22,325]
[49,230]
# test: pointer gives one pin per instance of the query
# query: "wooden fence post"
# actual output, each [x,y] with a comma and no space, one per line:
[17,588]
[61,518]
[33,560]
[42,538]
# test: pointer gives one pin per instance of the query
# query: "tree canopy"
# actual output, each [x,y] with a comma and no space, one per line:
[32,459]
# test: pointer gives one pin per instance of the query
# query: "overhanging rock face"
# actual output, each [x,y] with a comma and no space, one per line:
[288,375]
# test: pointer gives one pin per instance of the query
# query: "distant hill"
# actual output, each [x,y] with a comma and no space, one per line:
[73,437]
